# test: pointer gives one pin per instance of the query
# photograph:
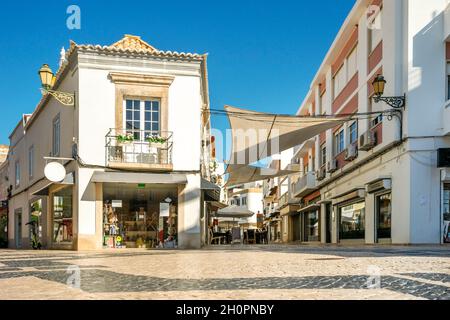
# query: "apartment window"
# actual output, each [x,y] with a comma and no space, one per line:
[448,80]
[339,142]
[376,121]
[31,162]
[142,115]
[244,201]
[56,145]
[324,155]
[340,80]
[375,31]
[352,63]
[353,132]
[238,201]
[17,173]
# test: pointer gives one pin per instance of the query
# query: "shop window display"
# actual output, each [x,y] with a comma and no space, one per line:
[352,221]
[384,216]
[134,222]
[62,216]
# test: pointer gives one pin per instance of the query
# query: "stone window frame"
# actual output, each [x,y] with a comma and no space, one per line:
[143,87]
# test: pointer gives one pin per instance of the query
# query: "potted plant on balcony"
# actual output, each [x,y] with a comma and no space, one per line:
[155,140]
[125,139]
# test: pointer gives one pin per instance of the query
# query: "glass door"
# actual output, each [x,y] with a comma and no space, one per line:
[446,213]
[383,216]
[18,227]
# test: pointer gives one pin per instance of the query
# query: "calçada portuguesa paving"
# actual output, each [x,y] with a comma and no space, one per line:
[251,272]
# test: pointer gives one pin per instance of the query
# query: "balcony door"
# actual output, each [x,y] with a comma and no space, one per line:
[142,118]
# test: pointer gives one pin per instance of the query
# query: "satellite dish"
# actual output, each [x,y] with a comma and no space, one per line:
[55,172]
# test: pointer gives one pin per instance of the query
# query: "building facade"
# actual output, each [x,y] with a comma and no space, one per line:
[377,179]
[4,191]
[135,147]
[248,196]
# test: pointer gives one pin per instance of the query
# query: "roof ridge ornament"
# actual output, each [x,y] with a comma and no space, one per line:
[133,43]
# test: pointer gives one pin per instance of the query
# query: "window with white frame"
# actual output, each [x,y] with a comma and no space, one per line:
[375,31]
[448,80]
[323,155]
[340,80]
[244,201]
[339,143]
[17,173]
[31,162]
[322,103]
[142,118]
[352,63]
[56,145]
[353,132]
[346,72]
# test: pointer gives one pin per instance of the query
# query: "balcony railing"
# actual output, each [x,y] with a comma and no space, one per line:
[305,185]
[142,148]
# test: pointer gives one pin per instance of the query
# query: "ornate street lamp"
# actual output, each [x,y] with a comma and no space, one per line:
[48,80]
[378,87]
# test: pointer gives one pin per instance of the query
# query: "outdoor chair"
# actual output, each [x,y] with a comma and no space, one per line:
[212,238]
[251,236]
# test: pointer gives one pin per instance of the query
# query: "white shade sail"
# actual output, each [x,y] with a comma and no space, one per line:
[234,212]
[239,174]
[257,135]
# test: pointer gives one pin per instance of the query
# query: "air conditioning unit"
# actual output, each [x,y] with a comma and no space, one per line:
[332,166]
[351,153]
[321,173]
[367,141]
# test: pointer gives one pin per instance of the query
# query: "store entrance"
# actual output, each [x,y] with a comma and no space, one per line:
[139,216]
[446,213]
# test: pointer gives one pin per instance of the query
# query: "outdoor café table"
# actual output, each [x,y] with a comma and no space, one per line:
[221,235]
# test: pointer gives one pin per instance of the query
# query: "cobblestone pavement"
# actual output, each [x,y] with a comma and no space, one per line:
[252,272]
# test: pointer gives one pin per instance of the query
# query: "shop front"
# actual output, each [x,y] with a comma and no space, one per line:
[446,212]
[310,222]
[351,209]
[4,224]
[381,191]
[140,216]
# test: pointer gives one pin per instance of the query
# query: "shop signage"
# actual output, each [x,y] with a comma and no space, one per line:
[164,209]
[259,220]
[383,184]
[116,203]
[141,186]
[445,175]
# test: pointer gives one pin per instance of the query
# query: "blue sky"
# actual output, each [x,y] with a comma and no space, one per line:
[262,54]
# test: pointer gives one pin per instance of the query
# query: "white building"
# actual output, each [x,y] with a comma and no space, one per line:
[248,196]
[141,139]
[377,179]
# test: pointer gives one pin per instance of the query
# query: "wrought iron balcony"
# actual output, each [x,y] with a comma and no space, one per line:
[139,149]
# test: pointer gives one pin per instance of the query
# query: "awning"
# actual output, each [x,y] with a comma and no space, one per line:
[239,174]
[218,204]
[257,135]
[45,190]
[212,191]
[311,207]
[234,212]
[132,177]
[354,194]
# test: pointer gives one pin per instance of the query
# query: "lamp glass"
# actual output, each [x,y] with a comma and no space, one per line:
[46,75]
[378,85]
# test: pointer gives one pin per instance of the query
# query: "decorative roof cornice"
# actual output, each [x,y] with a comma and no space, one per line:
[133,45]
